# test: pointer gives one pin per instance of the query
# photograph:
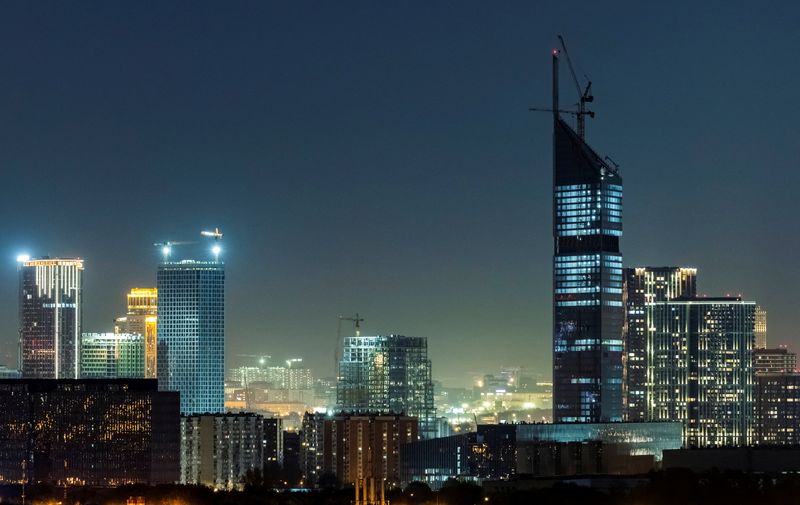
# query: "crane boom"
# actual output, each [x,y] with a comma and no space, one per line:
[584,95]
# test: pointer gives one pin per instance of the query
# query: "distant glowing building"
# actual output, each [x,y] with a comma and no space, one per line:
[644,287]
[142,319]
[700,369]
[112,355]
[761,328]
[388,374]
[191,333]
[772,361]
[51,311]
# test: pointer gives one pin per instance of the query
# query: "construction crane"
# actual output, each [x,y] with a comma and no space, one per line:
[585,95]
[166,246]
[357,320]
[212,233]
[216,234]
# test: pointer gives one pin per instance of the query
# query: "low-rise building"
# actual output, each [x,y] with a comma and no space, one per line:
[85,432]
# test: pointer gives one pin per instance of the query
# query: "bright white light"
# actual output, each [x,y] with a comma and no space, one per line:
[216,250]
[22,258]
[166,250]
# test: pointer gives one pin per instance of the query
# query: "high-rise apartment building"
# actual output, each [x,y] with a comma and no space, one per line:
[587,279]
[112,355]
[142,318]
[191,333]
[700,369]
[780,360]
[218,450]
[389,374]
[777,408]
[361,450]
[51,310]
[761,328]
[643,288]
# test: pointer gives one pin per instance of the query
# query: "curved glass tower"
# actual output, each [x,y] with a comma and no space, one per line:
[587,280]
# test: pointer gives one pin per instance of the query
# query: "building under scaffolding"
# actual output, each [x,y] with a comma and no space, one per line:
[387,374]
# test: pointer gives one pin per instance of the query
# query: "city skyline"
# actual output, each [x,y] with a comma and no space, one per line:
[313,215]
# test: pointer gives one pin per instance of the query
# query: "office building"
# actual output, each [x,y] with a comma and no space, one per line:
[191,333]
[390,375]
[504,451]
[142,318]
[777,408]
[51,310]
[587,279]
[434,461]
[772,361]
[700,369]
[88,432]
[357,449]
[217,450]
[761,328]
[643,287]
[112,355]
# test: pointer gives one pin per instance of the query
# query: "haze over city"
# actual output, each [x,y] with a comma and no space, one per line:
[382,160]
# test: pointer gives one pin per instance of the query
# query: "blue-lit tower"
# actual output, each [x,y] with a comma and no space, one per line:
[587,277]
[191,332]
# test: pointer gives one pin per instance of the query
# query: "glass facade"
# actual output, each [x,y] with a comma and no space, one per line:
[112,355]
[191,333]
[639,439]
[587,283]
[51,314]
[387,374]
[700,369]
[645,286]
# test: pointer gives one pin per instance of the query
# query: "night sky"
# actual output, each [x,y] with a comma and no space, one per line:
[379,157]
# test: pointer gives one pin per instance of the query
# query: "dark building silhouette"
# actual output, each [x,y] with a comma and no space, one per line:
[94,432]
[587,279]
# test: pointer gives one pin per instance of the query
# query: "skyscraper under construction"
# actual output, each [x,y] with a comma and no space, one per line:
[587,275]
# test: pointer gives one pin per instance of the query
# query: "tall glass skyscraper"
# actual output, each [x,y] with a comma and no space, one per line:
[644,287]
[587,280]
[388,374]
[191,333]
[51,313]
